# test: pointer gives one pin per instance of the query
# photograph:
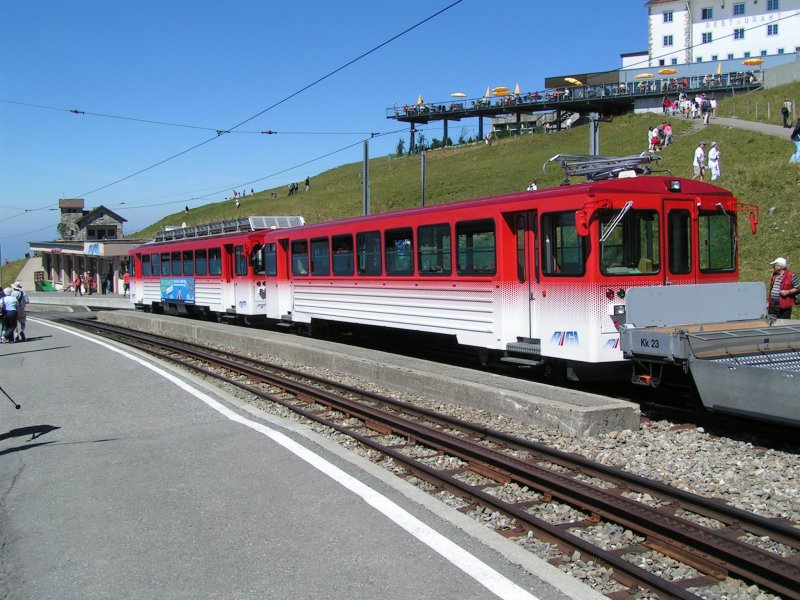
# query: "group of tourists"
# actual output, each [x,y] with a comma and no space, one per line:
[12,307]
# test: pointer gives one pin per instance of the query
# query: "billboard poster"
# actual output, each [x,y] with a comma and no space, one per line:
[178,290]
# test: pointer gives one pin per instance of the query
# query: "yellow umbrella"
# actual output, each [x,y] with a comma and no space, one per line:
[573,81]
[751,62]
[419,100]
[458,95]
[667,71]
[500,90]
[486,95]
[719,68]
[645,76]
[516,89]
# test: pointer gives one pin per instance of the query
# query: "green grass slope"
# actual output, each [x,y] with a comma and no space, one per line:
[754,167]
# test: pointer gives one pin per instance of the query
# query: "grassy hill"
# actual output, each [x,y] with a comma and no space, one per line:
[754,167]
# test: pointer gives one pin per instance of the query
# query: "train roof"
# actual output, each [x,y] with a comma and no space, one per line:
[654,184]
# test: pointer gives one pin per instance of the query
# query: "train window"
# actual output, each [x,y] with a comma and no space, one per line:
[631,246]
[145,265]
[300,257]
[155,264]
[176,264]
[270,260]
[399,252]
[201,262]
[717,242]
[188,262]
[342,255]
[679,238]
[369,253]
[563,250]
[475,247]
[434,249]
[239,261]
[214,261]
[320,257]
[165,264]
[257,259]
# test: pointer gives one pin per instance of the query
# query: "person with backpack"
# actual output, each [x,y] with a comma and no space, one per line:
[8,307]
[786,110]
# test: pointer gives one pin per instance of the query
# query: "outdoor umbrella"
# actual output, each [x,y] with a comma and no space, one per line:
[645,76]
[752,62]
[573,81]
[500,91]
[667,71]
[458,95]
[419,100]
[516,90]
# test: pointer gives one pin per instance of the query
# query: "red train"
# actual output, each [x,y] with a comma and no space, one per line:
[532,277]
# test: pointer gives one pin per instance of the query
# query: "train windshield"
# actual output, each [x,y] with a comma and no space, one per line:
[717,240]
[629,245]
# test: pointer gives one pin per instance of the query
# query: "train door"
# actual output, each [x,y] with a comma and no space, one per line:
[242,284]
[679,243]
[526,233]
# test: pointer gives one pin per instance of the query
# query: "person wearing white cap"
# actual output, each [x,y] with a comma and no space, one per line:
[783,289]
[713,161]
[22,302]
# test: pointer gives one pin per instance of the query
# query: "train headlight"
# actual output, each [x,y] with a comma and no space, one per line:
[674,185]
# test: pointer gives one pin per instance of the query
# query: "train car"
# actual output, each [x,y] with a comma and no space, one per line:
[207,270]
[536,277]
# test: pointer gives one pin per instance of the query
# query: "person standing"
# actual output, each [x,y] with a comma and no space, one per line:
[713,161]
[126,284]
[699,163]
[786,111]
[22,302]
[308,183]
[783,289]
[10,304]
[795,137]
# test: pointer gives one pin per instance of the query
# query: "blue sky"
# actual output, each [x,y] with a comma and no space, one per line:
[214,65]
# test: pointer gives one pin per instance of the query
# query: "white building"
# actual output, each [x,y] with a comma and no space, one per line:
[707,31]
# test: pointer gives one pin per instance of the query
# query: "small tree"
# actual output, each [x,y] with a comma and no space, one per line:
[401,146]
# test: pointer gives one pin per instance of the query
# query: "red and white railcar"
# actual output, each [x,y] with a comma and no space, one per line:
[534,276]
[214,269]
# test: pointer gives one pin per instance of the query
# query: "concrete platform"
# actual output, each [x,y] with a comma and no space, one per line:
[575,413]
[67,299]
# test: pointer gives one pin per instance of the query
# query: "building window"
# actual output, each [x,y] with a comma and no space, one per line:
[707,38]
[773,5]
[674,61]
[699,59]
[668,40]
[714,57]
[707,14]
[772,29]
[763,53]
[738,34]
[780,50]
[738,9]
[668,17]
[730,56]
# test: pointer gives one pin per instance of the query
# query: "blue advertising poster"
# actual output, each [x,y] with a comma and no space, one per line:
[178,290]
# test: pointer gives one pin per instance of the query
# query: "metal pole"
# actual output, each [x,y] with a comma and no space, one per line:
[366,177]
[422,175]
[594,134]
[1,264]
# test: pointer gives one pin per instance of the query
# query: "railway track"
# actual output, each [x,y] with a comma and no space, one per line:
[522,479]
